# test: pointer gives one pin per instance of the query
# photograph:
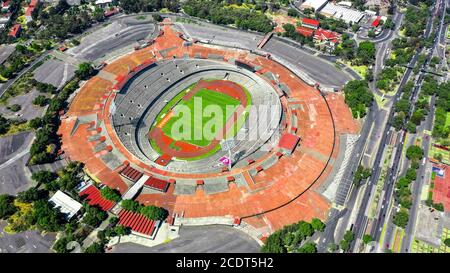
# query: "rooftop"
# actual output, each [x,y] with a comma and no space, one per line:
[65,203]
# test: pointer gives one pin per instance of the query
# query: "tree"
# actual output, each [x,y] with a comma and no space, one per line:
[366,52]
[94,216]
[411,174]
[305,229]
[157,17]
[46,217]
[85,71]
[40,100]
[154,213]
[43,176]
[130,205]
[401,218]
[7,207]
[358,97]
[414,153]
[4,125]
[110,194]
[308,248]
[438,157]
[35,123]
[15,107]
[367,238]
[345,245]
[447,242]
[292,12]
[349,236]
[31,195]
[317,224]
[60,245]
[398,121]
[361,174]
[95,248]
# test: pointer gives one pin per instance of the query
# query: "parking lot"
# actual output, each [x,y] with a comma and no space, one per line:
[318,69]
[209,239]
[114,36]
[25,242]
[54,72]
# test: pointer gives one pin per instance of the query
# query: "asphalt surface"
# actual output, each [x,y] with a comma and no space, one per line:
[206,239]
[13,156]
[318,69]
[120,33]
[54,72]
[5,51]
[28,110]
[219,35]
[25,242]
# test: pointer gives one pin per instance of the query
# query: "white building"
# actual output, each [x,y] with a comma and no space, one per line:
[340,12]
[313,4]
[103,3]
[65,204]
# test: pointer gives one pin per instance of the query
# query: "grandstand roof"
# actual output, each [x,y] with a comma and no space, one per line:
[289,142]
[157,184]
[137,222]
[131,173]
[94,198]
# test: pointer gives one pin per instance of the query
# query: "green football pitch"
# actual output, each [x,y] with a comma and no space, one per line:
[190,126]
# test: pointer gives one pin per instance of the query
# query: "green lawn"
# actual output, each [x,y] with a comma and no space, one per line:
[447,120]
[197,122]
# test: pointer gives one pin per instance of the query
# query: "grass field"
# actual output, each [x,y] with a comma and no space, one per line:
[197,122]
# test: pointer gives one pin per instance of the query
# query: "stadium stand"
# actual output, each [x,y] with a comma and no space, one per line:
[138,223]
[93,197]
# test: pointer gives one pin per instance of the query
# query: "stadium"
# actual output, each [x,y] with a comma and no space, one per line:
[259,171]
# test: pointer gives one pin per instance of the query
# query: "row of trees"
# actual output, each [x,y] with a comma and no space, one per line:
[46,144]
[290,238]
[358,97]
[219,12]
[403,193]
[151,212]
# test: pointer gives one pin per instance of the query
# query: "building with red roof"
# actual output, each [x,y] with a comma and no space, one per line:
[304,31]
[5,6]
[15,30]
[376,22]
[30,9]
[310,23]
[93,197]
[326,39]
[288,142]
[138,223]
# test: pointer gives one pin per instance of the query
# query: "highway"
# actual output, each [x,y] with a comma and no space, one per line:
[428,125]
[360,224]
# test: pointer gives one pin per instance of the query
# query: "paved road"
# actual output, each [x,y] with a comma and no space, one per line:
[206,239]
[392,173]
[318,69]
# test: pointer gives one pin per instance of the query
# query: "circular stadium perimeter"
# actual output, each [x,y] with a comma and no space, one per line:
[117,120]
[145,114]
